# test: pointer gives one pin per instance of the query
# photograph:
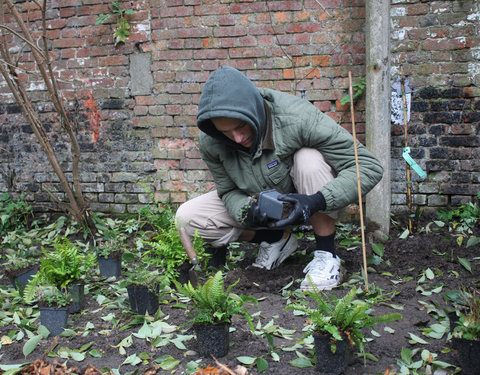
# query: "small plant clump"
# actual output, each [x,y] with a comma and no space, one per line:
[152,279]
[463,217]
[122,30]
[212,304]
[468,325]
[358,90]
[51,296]
[166,250]
[338,316]
[14,214]
[59,268]
[65,264]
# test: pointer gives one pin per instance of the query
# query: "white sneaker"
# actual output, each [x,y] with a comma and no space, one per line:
[270,255]
[323,271]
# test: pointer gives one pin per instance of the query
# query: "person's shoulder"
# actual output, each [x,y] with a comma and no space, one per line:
[272,95]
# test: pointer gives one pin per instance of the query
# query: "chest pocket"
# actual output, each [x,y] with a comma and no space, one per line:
[277,174]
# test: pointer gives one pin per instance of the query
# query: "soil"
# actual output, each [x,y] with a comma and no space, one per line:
[403,263]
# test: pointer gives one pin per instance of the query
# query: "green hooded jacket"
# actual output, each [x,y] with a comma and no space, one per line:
[282,124]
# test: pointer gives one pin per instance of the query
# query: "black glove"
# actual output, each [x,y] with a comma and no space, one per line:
[252,217]
[304,206]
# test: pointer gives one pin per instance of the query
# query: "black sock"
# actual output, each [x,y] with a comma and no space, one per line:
[326,243]
[269,236]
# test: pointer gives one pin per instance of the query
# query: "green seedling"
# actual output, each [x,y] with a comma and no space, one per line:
[463,218]
[426,364]
[358,90]
[122,30]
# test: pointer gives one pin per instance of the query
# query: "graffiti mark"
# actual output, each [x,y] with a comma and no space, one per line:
[93,117]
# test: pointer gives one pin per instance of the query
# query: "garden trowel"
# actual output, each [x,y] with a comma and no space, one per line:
[188,246]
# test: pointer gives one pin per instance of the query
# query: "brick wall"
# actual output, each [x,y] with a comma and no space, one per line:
[135,103]
[438,45]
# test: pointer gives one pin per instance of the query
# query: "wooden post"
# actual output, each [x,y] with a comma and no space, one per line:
[377,113]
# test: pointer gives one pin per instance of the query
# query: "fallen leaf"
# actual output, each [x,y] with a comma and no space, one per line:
[5,340]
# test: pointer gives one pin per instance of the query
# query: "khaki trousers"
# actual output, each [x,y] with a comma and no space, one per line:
[208,215]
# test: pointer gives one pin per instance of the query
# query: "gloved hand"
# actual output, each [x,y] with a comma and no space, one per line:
[252,217]
[304,206]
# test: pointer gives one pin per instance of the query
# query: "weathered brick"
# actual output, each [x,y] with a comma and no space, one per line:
[126,198]
[437,200]
[460,141]
[442,117]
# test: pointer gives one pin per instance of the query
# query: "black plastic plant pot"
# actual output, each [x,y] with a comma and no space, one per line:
[77,293]
[328,362]
[110,266]
[142,299]
[54,319]
[212,340]
[468,355]
[21,280]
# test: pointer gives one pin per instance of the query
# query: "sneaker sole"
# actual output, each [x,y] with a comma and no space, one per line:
[288,249]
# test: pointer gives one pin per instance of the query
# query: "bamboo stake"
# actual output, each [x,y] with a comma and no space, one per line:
[407,166]
[359,186]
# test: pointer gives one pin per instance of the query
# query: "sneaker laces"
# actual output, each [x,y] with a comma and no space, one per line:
[318,264]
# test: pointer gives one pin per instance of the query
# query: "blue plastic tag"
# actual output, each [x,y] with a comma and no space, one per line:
[412,163]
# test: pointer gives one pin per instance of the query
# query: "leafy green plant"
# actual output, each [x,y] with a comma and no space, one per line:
[20,260]
[157,214]
[51,296]
[468,324]
[166,251]
[13,213]
[212,304]
[106,249]
[409,365]
[340,316]
[64,265]
[140,275]
[463,217]
[122,30]
[348,236]
[358,90]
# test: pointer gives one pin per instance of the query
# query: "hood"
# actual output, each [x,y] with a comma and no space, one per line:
[229,93]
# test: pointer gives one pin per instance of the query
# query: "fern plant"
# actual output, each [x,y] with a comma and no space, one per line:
[212,304]
[340,317]
[65,264]
[61,267]
[166,250]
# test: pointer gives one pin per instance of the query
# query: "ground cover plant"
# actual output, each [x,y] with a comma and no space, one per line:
[419,272]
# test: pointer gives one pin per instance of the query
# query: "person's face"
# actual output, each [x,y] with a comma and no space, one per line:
[237,130]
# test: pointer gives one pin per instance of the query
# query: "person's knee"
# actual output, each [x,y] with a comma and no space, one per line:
[183,214]
[309,160]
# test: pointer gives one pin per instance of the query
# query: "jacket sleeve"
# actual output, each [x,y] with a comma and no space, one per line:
[337,146]
[233,198]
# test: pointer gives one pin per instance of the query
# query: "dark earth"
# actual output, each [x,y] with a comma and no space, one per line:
[404,261]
